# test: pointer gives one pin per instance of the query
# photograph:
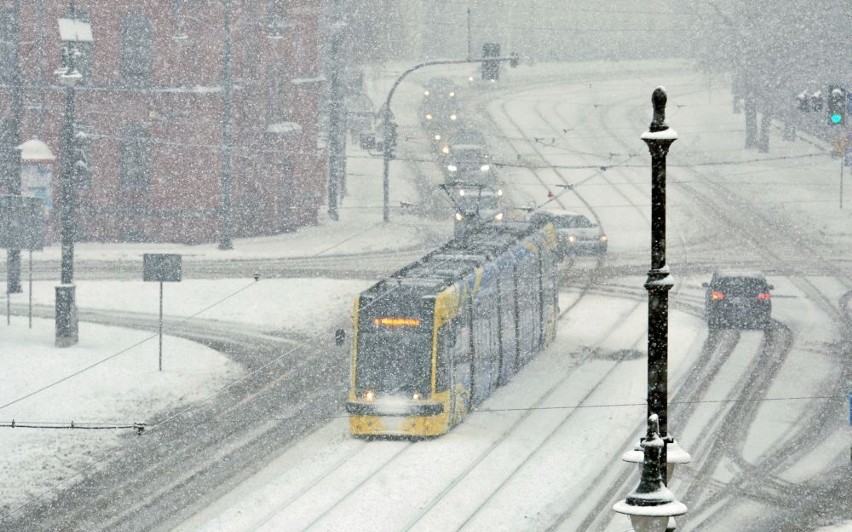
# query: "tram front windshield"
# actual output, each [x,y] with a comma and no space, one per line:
[394,361]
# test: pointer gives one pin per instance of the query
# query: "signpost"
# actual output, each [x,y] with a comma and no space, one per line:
[162,268]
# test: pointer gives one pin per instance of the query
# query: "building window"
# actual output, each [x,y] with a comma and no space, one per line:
[134,178]
[137,49]
[83,58]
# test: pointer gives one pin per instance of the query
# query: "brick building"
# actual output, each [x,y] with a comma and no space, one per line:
[152,104]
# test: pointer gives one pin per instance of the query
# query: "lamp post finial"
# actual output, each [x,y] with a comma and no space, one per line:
[658,99]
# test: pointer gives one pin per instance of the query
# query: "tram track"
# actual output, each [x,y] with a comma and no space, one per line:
[189,455]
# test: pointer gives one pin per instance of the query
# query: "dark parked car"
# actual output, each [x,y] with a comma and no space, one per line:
[739,300]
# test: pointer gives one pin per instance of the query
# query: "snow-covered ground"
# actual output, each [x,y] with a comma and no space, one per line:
[112,375]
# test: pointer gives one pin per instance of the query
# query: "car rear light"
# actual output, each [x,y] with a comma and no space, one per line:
[716,295]
[766,296]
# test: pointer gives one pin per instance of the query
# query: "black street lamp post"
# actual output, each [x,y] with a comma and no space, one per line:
[66,306]
[659,138]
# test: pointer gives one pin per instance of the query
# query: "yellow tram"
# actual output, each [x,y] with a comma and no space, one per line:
[436,338]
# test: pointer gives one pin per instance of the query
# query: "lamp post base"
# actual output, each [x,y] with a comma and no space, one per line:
[66,316]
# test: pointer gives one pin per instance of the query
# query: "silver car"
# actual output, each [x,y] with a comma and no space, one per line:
[577,234]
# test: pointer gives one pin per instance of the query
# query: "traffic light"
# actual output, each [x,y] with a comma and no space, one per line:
[816,101]
[491,69]
[804,101]
[836,105]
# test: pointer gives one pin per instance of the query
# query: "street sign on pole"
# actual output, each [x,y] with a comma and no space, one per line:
[162,268]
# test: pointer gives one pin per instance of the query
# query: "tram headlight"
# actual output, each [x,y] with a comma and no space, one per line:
[369,395]
[445,150]
[453,117]
[416,396]
[428,116]
[459,217]
[437,136]
[604,238]
[462,192]
[452,94]
[425,93]
[572,238]
[452,167]
[498,216]
[499,191]
[485,167]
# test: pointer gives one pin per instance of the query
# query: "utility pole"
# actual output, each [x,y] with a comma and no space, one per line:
[227,74]
[13,156]
[468,34]
[336,119]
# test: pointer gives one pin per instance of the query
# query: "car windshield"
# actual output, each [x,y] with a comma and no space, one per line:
[469,155]
[468,137]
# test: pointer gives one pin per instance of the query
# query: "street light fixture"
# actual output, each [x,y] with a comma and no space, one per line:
[651,505]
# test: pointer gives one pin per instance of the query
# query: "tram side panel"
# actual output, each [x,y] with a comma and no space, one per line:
[507,324]
[486,352]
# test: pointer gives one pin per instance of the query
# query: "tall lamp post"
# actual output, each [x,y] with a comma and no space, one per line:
[659,138]
[66,306]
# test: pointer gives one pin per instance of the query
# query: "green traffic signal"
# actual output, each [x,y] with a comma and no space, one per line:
[836,105]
